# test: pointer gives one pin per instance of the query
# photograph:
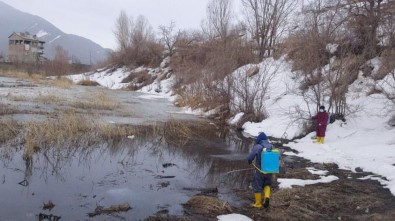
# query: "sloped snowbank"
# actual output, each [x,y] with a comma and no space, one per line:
[281,98]
[112,79]
[365,141]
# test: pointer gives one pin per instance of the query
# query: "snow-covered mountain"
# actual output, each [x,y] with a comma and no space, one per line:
[13,20]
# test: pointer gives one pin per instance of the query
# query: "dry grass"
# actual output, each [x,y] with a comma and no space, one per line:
[8,130]
[137,77]
[88,83]
[22,75]
[16,97]
[115,132]
[99,101]
[190,100]
[5,110]
[63,83]
[46,99]
[65,131]
[207,206]
[177,133]
[68,128]
[346,199]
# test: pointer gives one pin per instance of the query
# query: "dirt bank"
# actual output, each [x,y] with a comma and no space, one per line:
[348,198]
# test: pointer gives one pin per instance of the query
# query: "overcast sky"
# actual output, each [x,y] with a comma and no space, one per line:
[95,19]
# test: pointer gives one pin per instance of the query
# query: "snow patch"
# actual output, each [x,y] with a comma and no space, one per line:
[288,183]
[233,217]
[236,118]
[331,48]
[57,37]
[41,33]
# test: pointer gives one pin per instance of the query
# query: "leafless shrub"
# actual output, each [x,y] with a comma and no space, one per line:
[200,67]
[248,94]
[344,72]
[321,22]
[88,83]
[324,81]
[139,79]
[365,19]
[60,65]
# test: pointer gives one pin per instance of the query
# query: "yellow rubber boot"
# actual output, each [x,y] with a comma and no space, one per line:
[322,140]
[258,200]
[317,140]
[266,191]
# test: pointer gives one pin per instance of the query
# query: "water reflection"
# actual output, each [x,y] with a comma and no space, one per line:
[151,172]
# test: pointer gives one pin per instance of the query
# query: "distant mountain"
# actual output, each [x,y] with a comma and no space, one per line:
[82,49]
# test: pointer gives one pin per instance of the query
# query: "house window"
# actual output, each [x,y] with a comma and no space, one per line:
[12,42]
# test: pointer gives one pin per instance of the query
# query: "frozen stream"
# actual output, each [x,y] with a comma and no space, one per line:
[147,172]
[134,107]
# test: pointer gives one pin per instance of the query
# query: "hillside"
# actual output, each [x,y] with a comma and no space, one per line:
[13,20]
[364,142]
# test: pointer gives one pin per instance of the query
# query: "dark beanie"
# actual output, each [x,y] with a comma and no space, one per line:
[261,136]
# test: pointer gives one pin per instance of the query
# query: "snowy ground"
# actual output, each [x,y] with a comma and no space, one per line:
[365,141]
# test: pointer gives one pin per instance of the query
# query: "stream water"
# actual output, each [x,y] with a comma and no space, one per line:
[147,171]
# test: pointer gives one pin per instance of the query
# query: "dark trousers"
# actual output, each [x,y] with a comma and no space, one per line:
[261,180]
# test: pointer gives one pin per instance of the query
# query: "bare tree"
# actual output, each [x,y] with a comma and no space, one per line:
[219,15]
[141,31]
[365,19]
[266,21]
[60,65]
[136,40]
[249,92]
[169,38]
[122,31]
[325,70]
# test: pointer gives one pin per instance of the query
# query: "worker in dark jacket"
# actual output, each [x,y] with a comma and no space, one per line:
[261,181]
[321,120]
